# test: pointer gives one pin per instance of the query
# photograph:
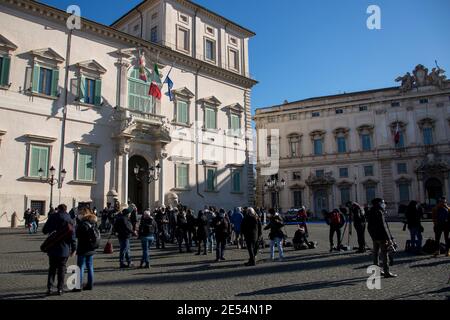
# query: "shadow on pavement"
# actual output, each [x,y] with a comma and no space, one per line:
[304,287]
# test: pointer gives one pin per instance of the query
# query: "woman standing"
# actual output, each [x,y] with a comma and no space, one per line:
[413,217]
[88,241]
[276,235]
[147,232]
[202,232]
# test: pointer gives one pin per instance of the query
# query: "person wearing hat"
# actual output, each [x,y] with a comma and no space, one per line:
[124,230]
[378,230]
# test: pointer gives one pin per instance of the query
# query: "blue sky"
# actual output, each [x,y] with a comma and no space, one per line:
[305,49]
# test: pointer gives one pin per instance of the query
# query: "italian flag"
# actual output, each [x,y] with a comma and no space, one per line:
[142,74]
[155,86]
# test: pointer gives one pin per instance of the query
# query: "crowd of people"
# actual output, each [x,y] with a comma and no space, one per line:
[79,233]
[31,219]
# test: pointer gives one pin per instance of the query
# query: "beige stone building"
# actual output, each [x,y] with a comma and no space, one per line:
[392,143]
[72,99]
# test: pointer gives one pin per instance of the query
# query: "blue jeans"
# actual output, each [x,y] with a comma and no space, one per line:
[33,228]
[211,240]
[279,243]
[146,244]
[416,238]
[124,252]
[86,262]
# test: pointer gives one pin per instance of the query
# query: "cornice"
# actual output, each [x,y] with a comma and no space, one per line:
[60,16]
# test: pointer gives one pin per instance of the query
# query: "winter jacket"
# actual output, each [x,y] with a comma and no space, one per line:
[202,227]
[56,222]
[376,224]
[276,228]
[251,227]
[358,215]
[438,212]
[123,227]
[191,222]
[236,219]
[221,227]
[84,244]
[413,217]
[147,227]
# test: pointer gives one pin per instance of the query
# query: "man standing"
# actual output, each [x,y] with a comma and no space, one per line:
[124,231]
[441,220]
[336,221]
[251,228]
[60,251]
[379,233]
[358,217]
[221,230]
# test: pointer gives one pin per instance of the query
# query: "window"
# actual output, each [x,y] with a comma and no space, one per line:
[5,63]
[45,81]
[315,114]
[341,144]
[294,146]
[210,118]
[296,176]
[423,101]
[339,111]
[39,206]
[368,171]
[211,179]
[318,147]
[402,168]
[182,112]
[428,136]
[90,91]
[86,165]
[293,116]
[233,59]
[182,174]
[343,172]
[271,119]
[320,173]
[366,142]
[235,123]
[236,175]
[154,16]
[345,195]
[138,98]
[183,39]
[363,108]
[401,141]
[404,192]
[154,34]
[39,156]
[370,193]
[395,104]
[210,50]
[297,194]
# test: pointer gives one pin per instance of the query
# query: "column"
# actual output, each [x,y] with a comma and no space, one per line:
[125,178]
[161,181]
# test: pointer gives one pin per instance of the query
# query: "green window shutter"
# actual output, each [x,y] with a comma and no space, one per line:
[38,160]
[82,89]
[86,165]
[43,160]
[98,92]
[182,178]
[182,112]
[237,181]
[90,165]
[81,174]
[55,83]
[4,77]
[36,75]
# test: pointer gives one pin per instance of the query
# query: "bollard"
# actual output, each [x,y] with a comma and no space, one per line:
[14,220]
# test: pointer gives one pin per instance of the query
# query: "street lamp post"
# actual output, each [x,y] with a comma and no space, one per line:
[150,175]
[52,180]
[276,185]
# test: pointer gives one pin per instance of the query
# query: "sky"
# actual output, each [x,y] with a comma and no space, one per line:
[305,49]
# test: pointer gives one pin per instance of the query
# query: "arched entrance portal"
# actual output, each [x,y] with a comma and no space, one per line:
[137,188]
[434,190]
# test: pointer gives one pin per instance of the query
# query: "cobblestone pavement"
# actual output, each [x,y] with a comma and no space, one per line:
[311,274]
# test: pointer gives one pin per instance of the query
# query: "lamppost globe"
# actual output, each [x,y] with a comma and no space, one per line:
[52,171]
[41,172]
[63,173]
[136,170]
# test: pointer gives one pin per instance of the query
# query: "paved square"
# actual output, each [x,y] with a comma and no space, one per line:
[312,274]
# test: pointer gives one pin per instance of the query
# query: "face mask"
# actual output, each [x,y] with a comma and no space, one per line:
[383,206]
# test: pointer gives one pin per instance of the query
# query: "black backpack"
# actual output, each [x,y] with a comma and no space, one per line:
[147,226]
[93,235]
[429,246]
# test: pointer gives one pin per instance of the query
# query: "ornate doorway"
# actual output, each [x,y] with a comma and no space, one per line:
[137,190]
[434,190]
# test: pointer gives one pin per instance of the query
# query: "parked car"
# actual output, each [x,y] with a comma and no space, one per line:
[291,215]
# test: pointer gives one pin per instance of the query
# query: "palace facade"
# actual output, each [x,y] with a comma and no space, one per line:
[73,99]
[392,143]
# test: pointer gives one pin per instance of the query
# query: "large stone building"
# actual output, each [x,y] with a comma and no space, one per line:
[392,143]
[73,99]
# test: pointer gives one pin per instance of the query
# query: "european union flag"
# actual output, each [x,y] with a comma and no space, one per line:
[170,87]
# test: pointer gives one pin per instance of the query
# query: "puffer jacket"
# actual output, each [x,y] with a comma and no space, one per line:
[84,245]
[276,228]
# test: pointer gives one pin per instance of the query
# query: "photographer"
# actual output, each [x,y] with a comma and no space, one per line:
[379,232]
[358,218]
